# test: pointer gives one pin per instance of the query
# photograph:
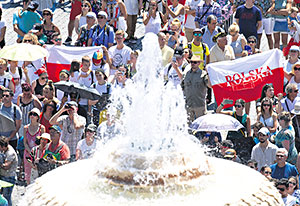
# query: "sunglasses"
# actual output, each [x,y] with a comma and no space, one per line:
[46,14]
[293,51]
[280,189]
[101,17]
[85,5]
[6,95]
[152,5]
[90,131]
[26,90]
[296,91]
[58,39]
[251,42]
[238,106]
[194,62]
[266,105]
[44,78]
[33,114]
[197,34]
[293,183]
[297,68]
[268,173]
[27,40]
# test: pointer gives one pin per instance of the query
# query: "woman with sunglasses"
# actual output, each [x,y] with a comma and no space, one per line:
[241,139]
[49,27]
[294,76]
[237,41]
[31,131]
[266,171]
[293,188]
[49,109]
[40,83]
[153,19]
[286,136]
[267,116]
[252,40]
[87,146]
[80,20]
[267,91]
[27,101]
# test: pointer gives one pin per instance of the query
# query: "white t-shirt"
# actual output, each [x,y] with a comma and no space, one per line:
[5,79]
[87,81]
[33,67]
[105,67]
[132,7]
[172,74]
[287,66]
[289,200]
[18,88]
[119,56]
[190,20]
[86,150]
[75,78]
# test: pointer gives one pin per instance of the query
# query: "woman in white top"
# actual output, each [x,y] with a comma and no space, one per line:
[80,20]
[267,116]
[87,147]
[153,18]
[294,76]
[2,30]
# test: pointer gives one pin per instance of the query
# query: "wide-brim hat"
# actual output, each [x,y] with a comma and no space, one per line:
[44,136]
[296,109]
[196,58]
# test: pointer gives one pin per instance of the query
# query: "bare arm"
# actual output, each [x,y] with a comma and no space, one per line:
[220,107]
[76,24]
[78,154]
[18,125]
[123,9]
[248,126]
[54,118]
[286,144]
[3,30]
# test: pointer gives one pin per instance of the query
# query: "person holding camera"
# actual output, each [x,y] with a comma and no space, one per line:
[120,77]
[72,125]
[86,147]
[175,39]
[153,19]
[8,167]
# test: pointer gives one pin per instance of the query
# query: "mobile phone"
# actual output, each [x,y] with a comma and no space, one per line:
[173,59]
[228,101]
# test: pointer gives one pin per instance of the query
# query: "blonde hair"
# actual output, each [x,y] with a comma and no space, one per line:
[3,62]
[86,58]
[234,27]
[176,22]
[120,32]
[31,37]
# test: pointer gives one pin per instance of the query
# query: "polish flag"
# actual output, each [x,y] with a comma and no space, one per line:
[60,57]
[244,78]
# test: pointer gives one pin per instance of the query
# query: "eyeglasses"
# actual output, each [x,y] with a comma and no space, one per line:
[46,14]
[6,95]
[58,39]
[152,5]
[119,38]
[42,78]
[238,106]
[266,105]
[89,131]
[296,91]
[33,114]
[280,156]
[251,42]
[194,62]
[296,68]
[101,17]
[280,189]
[197,34]
[26,90]
[293,183]
[85,5]
[293,51]
[266,172]
[27,40]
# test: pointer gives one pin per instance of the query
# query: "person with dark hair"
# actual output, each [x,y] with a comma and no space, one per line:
[264,153]
[49,93]
[56,39]
[81,19]
[153,19]
[293,188]
[256,127]
[49,28]
[267,91]
[12,111]
[87,146]
[84,30]
[283,185]
[252,164]
[40,83]
[266,171]
[204,9]
[5,77]
[74,70]
[286,138]
[187,54]
[2,30]
[241,139]
[49,109]
[38,30]
[8,167]
[288,103]
[252,40]
[267,116]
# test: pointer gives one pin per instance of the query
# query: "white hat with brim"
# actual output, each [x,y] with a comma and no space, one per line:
[296,109]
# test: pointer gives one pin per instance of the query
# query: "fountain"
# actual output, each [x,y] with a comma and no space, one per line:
[153,161]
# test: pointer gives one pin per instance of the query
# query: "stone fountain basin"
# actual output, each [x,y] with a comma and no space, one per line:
[79,183]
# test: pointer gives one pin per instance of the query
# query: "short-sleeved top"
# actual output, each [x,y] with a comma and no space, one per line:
[217,54]
[102,36]
[195,88]
[190,19]
[207,36]
[87,150]
[28,19]
[248,19]
[11,156]
[5,79]
[119,56]
[9,112]
[287,105]
[264,157]
[286,134]
[283,172]
[198,51]
[167,54]
[63,153]
[172,75]
[70,135]
[214,8]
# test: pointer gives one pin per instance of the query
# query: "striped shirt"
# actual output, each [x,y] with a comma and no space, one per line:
[213,8]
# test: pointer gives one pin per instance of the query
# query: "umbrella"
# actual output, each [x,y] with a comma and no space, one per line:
[23,52]
[216,123]
[84,91]
[6,123]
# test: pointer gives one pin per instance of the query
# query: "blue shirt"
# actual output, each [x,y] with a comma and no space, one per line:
[9,112]
[248,19]
[214,8]
[207,36]
[283,172]
[102,36]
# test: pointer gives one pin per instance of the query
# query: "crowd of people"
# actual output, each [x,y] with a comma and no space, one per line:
[53,127]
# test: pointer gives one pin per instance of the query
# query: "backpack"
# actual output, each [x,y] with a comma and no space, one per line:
[106,29]
[104,99]
[203,48]
[170,66]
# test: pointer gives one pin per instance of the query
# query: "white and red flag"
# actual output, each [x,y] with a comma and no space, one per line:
[244,78]
[60,57]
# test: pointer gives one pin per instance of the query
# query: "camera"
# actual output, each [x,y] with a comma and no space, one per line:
[68,106]
[171,32]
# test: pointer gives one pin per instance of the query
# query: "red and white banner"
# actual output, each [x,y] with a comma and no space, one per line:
[60,57]
[244,78]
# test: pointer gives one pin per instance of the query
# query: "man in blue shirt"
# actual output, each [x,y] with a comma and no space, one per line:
[210,30]
[101,34]
[249,19]
[283,169]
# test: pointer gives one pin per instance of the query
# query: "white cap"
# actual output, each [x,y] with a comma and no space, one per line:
[264,131]
[102,13]
[91,14]
[294,48]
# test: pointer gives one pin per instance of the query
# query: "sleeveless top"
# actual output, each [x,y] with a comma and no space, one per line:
[237,45]
[179,17]
[39,88]
[84,36]
[45,123]
[241,132]
[48,34]
[26,108]
[31,139]
[292,80]
[153,25]
[269,122]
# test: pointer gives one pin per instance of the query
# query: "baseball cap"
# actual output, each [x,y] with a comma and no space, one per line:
[178,51]
[92,127]
[230,153]
[33,5]
[56,128]
[45,136]
[91,15]
[264,131]
[35,110]
[197,30]
[72,103]
[221,34]
[102,13]
[294,48]
[97,56]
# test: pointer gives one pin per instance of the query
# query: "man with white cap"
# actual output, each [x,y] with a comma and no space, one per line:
[264,153]
[102,33]
[292,59]
[84,30]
